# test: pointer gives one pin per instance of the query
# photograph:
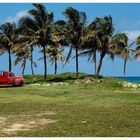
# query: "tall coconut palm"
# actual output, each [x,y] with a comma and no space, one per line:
[8,35]
[76,21]
[89,44]
[23,52]
[55,53]
[44,22]
[104,31]
[88,48]
[41,23]
[108,43]
[55,49]
[22,55]
[98,38]
[126,56]
[123,49]
[27,29]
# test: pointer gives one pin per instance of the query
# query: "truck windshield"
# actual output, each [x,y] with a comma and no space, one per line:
[11,74]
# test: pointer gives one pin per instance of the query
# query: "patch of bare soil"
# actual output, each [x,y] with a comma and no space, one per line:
[21,123]
[15,127]
[2,119]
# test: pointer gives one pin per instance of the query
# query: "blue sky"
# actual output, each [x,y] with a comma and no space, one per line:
[125,18]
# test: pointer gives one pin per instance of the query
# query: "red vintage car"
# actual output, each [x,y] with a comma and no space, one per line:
[7,77]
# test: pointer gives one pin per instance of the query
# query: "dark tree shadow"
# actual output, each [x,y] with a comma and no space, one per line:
[9,86]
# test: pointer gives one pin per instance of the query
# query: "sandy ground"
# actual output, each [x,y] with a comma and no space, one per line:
[13,123]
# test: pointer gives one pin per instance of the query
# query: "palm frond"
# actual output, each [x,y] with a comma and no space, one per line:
[137,56]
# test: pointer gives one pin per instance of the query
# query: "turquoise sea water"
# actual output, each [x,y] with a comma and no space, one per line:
[131,79]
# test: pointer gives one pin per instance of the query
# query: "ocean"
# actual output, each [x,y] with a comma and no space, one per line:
[130,79]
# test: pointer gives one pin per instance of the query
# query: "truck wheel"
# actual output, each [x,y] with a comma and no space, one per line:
[20,83]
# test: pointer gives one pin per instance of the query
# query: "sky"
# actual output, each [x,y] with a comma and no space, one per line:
[125,19]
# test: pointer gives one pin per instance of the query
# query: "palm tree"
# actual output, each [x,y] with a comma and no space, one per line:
[22,55]
[123,49]
[8,35]
[97,38]
[27,31]
[55,54]
[32,60]
[55,49]
[126,56]
[105,41]
[89,44]
[40,25]
[104,30]
[76,21]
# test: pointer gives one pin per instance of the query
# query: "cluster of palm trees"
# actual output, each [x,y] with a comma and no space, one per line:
[39,30]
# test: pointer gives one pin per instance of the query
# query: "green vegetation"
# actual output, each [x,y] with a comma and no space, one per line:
[101,107]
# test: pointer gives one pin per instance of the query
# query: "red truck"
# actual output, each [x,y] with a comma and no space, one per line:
[7,77]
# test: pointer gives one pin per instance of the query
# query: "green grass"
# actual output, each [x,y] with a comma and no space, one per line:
[65,77]
[86,109]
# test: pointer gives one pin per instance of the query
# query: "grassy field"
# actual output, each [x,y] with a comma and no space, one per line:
[65,107]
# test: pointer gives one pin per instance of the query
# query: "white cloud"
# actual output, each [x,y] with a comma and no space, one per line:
[133,34]
[17,16]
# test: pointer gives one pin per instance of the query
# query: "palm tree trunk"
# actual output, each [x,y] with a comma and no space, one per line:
[76,62]
[55,66]
[10,61]
[23,68]
[100,64]
[95,63]
[124,67]
[32,60]
[45,63]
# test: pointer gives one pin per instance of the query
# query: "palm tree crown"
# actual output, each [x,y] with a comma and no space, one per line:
[8,35]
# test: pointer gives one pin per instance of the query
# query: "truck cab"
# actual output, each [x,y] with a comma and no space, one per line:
[7,77]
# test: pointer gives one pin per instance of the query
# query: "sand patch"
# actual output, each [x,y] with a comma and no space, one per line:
[14,123]
[15,127]
[27,125]
[2,119]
